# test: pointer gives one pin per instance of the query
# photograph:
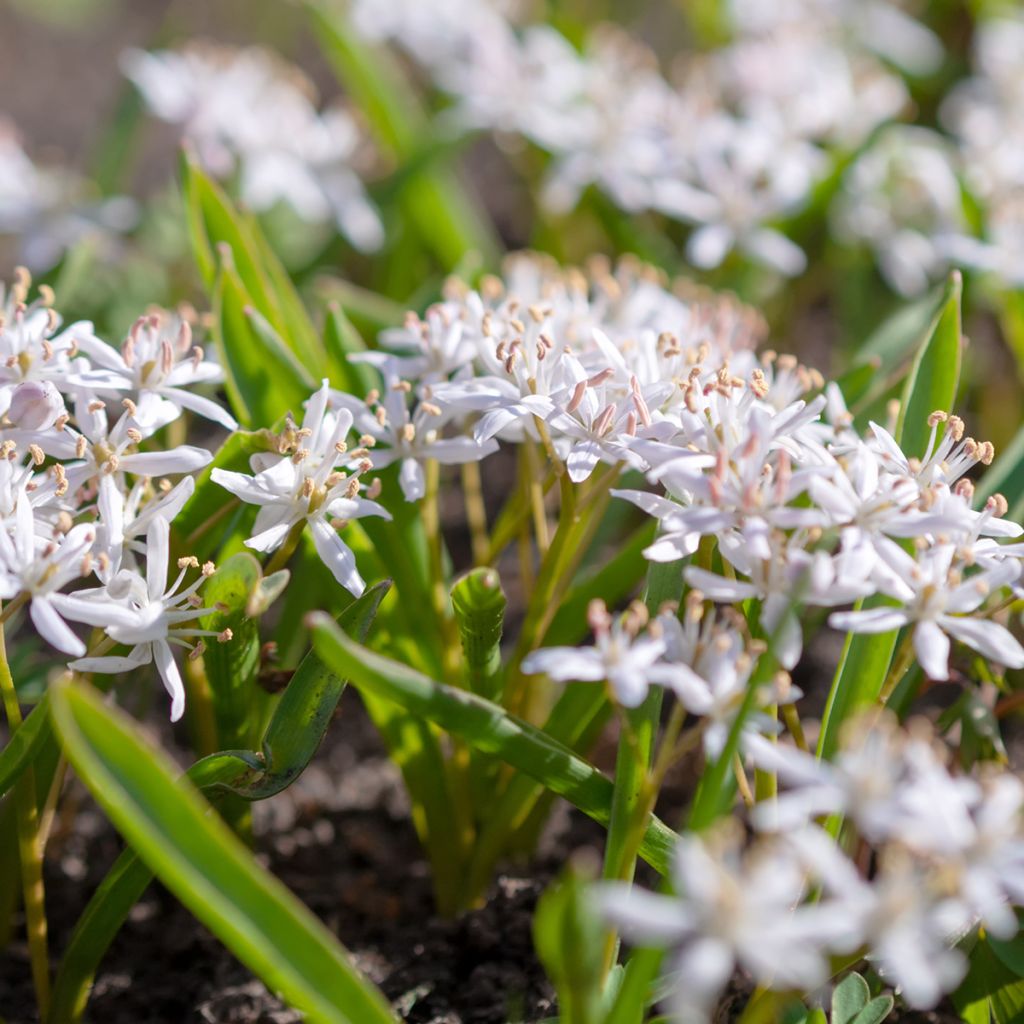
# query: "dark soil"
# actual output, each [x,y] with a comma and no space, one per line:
[341,840]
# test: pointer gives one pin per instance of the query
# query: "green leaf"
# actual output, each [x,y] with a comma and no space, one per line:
[858,680]
[1006,477]
[876,1011]
[264,380]
[991,987]
[568,937]
[304,712]
[235,590]
[849,997]
[342,340]
[445,216]
[292,737]
[485,726]
[22,746]
[479,604]
[199,526]
[198,858]
[935,374]
[612,582]
[214,223]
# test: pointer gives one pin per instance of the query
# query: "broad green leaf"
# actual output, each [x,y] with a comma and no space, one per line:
[198,858]
[849,997]
[264,380]
[22,746]
[991,987]
[485,726]
[636,991]
[304,712]
[447,220]
[934,376]
[876,1010]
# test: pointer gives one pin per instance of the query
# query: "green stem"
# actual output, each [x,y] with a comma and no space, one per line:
[576,529]
[30,848]
[638,782]
[902,662]
[286,550]
[476,512]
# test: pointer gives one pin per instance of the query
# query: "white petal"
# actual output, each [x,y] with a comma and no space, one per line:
[337,556]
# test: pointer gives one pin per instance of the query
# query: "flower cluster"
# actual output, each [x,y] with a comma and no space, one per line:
[732,147]
[247,112]
[49,209]
[84,488]
[946,852]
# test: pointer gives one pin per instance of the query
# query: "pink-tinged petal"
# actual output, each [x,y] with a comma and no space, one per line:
[582,459]
[201,406]
[775,250]
[642,915]
[99,611]
[114,664]
[718,588]
[184,459]
[653,504]
[931,646]
[566,663]
[53,629]
[412,480]
[709,245]
[271,538]
[869,620]
[337,556]
[453,451]
[988,638]
[243,486]
[168,669]
[158,551]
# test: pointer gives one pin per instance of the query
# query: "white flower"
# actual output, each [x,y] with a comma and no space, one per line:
[628,660]
[938,601]
[145,614]
[309,486]
[247,108]
[159,364]
[730,912]
[397,434]
[40,567]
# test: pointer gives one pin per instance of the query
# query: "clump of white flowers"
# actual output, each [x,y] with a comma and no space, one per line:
[48,209]
[946,853]
[247,112]
[85,484]
[732,147]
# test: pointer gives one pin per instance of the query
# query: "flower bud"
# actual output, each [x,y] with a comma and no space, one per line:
[35,405]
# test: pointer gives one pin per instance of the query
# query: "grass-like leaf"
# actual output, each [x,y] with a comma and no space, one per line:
[292,737]
[486,727]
